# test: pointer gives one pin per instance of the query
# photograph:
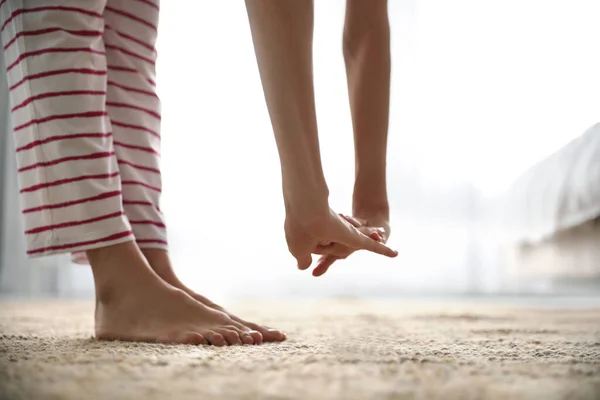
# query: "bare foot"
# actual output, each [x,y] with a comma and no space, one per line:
[134,304]
[268,334]
[160,263]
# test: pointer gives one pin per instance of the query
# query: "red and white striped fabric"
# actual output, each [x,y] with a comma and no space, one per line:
[86,121]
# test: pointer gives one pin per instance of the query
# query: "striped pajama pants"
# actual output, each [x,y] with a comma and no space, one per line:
[86,121]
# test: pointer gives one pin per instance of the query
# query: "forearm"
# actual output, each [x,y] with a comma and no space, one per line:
[367,57]
[282,34]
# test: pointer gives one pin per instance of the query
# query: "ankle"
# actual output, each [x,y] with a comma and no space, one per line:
[117,269]
[161,264]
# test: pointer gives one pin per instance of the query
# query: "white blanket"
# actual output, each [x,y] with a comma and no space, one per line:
[560,192]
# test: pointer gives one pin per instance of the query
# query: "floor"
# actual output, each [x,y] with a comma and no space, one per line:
[338,349]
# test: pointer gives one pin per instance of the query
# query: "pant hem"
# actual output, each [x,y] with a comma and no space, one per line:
[95,241]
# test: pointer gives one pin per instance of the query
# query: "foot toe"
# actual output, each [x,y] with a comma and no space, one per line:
[257,337]
[276,334]
[268,334]
[192,338]
[247,338]
[215,338]
[231,335]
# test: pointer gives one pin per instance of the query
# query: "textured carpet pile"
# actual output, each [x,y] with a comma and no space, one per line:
[338,349]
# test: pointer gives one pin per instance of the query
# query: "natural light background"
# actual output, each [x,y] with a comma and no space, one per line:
[481,90]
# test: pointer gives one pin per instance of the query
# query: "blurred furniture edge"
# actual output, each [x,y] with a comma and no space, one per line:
[551,216]
[572,254]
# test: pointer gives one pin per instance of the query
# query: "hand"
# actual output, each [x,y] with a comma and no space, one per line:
[377,226]
[329,235]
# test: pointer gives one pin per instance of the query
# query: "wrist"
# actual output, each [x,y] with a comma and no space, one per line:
[370,195]
[305,201]
[371,209]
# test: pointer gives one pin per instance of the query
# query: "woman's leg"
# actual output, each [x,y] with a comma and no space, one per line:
[130,35]
[134,108]
[71,188]
[68,174]
[130,30]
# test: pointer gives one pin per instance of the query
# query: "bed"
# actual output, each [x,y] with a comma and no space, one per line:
[551,214]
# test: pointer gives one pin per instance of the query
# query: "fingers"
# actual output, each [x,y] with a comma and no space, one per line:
[374,233]
[374,246]
[334,249]
[324,263]
[362,221]
[376,236]
[339,237]
[363,226]
[304,261]
[355,222]
[353,238]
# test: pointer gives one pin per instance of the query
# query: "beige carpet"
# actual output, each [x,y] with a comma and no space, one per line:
[338,349]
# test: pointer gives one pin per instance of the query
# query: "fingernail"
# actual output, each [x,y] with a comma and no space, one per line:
[376,236]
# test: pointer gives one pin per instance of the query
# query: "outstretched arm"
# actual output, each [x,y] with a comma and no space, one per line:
[282,35]
[366,50]
[367,55]
[282,32]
